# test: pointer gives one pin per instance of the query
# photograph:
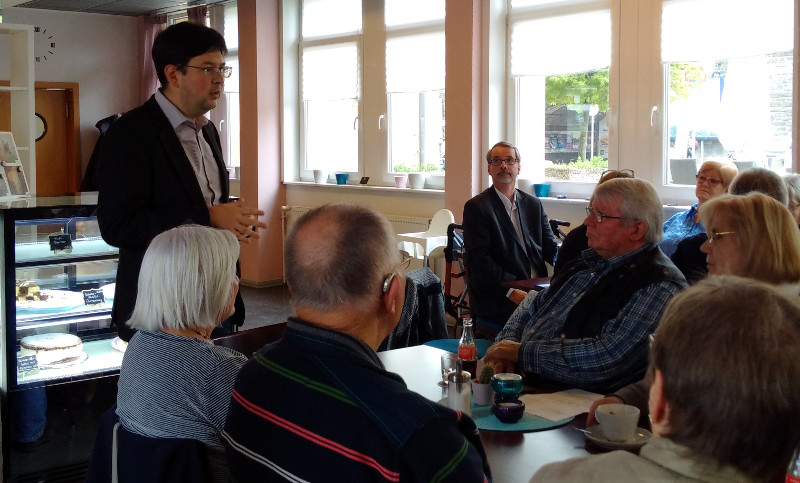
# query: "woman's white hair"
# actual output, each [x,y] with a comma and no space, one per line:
[186,279]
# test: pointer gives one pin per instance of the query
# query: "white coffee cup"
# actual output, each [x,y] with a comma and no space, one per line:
[617,421]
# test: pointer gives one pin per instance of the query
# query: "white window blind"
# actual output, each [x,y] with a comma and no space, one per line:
[694,30]
[405,12]
[557,45]
[331,17]
[415,63]
[330,72]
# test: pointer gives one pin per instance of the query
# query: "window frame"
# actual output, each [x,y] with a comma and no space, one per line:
[373,114]
[635,121]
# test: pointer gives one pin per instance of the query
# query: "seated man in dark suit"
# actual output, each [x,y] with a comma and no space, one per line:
[506,237]
[318,405]
[590,328]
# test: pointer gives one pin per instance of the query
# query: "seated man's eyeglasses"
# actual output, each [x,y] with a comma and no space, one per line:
[225,70]
[388,280]
[711,181]
[499,161]
[599,216]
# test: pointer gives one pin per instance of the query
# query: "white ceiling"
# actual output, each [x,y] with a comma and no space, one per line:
[113,7]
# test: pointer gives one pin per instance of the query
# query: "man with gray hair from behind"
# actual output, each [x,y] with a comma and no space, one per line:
[590,328]
[318,405]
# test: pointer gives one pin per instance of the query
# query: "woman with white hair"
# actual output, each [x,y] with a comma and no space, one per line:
[174,383]
[713,179]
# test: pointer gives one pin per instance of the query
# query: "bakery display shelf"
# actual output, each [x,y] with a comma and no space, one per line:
[94,249]
[101,358]
[52,320]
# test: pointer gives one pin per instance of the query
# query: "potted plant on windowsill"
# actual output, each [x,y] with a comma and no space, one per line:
[416,174]
[401,175]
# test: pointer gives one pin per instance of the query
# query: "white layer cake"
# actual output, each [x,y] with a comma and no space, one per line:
[52,348]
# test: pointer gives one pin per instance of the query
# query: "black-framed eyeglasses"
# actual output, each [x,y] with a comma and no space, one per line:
[388,280]
[711,181]
[626,173]
[599,216]
[717,235]
[225,70]
[498,161]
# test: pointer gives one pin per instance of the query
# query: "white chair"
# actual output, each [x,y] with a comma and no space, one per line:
[426,241]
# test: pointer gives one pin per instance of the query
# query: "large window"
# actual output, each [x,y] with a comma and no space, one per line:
[560,61]
[729,95]
[371,87]
[657,87]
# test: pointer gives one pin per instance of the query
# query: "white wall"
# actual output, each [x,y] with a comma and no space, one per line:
[99,52]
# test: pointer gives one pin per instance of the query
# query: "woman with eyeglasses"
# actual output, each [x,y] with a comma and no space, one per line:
[713,179]
[575,242]
[689,258]
[752,236]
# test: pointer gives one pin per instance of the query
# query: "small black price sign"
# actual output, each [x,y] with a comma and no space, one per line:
[27,363]
[93,297]
[61,242]
[364,179]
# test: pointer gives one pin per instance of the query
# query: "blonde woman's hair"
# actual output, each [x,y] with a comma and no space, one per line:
[767,232]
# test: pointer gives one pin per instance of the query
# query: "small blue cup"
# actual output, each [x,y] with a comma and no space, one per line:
[541,190]
[341,178]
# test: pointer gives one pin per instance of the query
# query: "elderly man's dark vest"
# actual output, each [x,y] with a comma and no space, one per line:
[604,300]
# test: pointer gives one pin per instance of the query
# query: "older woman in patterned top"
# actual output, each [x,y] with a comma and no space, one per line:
[173,382]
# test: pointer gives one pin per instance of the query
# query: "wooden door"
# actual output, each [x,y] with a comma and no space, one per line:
[52,162]
[58,165]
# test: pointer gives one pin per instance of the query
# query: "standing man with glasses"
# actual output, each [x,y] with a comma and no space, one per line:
[161,164]
[590,328]
[318,405]
[506,237]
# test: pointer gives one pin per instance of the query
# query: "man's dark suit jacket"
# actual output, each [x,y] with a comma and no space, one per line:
[147,186]
[495,254]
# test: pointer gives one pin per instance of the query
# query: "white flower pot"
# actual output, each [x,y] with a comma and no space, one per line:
[416,180]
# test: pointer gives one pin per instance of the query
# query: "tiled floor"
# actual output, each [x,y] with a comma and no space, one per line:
[265,306]
[75,408]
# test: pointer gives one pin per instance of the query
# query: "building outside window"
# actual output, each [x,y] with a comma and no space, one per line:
[657,87]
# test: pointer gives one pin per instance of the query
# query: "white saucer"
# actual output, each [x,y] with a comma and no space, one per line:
[77,361]
[119,344]
[595,435]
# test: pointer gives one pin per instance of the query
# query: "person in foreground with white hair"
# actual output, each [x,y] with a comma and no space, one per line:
[174,383]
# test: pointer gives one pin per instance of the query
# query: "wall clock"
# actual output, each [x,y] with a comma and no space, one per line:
[44,44]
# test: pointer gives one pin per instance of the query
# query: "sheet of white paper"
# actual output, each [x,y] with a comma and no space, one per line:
[559,405]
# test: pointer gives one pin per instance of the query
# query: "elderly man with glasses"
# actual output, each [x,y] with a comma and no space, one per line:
[590,328]
[318,405]
[506,237]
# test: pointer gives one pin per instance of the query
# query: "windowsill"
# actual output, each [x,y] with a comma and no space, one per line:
[393,189]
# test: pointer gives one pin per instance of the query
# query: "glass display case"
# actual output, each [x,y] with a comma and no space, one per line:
[56,315]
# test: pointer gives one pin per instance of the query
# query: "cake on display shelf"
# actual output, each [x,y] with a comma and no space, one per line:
[54,349]
[28,290]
